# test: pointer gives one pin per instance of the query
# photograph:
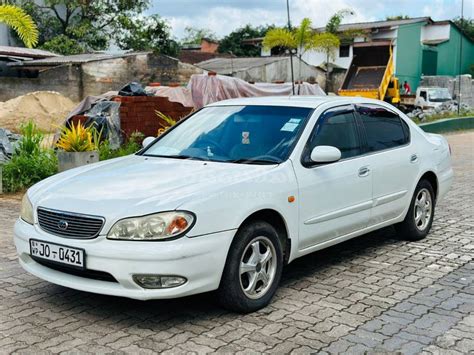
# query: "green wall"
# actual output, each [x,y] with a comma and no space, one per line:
[448,54]
[409,54]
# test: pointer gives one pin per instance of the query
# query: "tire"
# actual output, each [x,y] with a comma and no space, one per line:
[252,244]
[419,218]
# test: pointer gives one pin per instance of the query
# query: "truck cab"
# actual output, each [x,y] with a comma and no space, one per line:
[431,97]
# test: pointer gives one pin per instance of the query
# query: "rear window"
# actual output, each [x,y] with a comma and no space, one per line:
[384,129]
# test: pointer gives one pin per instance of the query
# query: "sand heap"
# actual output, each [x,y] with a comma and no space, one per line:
[47,109]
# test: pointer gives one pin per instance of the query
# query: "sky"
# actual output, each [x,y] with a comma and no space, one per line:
[223,16]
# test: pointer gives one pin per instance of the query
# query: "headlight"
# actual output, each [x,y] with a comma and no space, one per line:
[157,226]
[26,213]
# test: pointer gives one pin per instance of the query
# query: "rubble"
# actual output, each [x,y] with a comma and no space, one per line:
[444,108]
[8,141]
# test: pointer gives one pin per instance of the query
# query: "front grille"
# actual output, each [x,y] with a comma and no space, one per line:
[89,274]
[69,225]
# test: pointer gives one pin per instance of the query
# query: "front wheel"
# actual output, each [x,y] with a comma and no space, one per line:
[419,218]
[253,268]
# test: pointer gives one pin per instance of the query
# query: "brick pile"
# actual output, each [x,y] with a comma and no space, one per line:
[137,113]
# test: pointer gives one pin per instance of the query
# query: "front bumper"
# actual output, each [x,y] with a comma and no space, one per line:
[201,260]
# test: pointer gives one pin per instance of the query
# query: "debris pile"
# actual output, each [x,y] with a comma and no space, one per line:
[8,141]
[444,108]
[46,108]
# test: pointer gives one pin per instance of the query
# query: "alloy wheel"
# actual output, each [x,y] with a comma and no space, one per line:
[257,267]
[423,209]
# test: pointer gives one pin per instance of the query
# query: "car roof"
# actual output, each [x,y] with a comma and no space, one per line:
[294,101]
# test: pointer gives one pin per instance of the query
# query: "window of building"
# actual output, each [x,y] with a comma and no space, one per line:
[344,50]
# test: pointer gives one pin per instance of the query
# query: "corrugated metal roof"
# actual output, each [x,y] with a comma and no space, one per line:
[379,24]
[73,59]
[227,66]
[362,26]
[25,52]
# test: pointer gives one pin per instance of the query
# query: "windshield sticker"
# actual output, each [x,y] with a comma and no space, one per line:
[245,137]
[289,127]
[294,120]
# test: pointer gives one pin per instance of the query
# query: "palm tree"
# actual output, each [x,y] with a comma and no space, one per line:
[21,23]
[301,39]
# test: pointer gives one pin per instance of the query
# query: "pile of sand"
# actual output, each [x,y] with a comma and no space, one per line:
[47,109]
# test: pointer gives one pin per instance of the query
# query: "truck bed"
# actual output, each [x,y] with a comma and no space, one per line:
[366,78]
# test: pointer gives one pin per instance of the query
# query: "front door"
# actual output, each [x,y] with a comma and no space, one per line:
[335,199]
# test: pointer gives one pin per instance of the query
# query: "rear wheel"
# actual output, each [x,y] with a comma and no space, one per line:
[419,218]
[253,269]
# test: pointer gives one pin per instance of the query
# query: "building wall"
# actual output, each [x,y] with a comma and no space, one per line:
[281,71]
[94,78]
[209,47]
[449,54]
[409,54]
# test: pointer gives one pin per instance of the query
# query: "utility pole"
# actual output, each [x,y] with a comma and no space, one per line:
[291,52]
[460,58]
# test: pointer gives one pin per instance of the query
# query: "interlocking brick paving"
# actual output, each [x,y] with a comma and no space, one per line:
[373,294]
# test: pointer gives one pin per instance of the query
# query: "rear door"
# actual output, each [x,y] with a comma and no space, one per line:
[393,158]
[335,198]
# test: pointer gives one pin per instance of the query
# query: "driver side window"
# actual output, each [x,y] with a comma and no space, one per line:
[338,130]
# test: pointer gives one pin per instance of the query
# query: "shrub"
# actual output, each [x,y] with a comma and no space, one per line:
[30,162]
[130,147]
[23,170]
[77,138]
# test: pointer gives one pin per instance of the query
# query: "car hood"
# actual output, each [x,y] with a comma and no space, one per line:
[137,185]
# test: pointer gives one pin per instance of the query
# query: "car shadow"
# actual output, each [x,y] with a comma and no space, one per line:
[165,313]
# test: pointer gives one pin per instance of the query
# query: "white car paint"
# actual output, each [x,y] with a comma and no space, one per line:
[332,204]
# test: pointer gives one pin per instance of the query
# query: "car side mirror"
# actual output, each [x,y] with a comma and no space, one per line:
[147,141]
[325,154]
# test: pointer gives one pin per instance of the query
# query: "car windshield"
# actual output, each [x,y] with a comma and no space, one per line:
[237,134]
[439,95]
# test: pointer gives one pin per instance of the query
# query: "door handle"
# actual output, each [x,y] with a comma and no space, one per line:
[413,158]
[364,171]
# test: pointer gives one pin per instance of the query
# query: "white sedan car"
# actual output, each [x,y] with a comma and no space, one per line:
[227,197]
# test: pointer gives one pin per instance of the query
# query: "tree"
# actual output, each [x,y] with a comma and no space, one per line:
[77,26]
[21,23]
[397,17]
[466,25]
[193,35]
[301,39]
[146,33]
[232,43]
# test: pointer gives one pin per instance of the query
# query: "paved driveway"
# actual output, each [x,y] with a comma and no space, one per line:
[375,293]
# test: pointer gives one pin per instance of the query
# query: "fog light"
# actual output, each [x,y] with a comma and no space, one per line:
[159,281]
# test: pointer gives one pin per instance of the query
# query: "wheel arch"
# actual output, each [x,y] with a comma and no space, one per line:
[431,177]
[274,218]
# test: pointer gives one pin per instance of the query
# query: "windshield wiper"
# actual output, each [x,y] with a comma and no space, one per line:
[179,156]
[253,161]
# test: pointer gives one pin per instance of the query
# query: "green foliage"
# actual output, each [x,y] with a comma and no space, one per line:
[301,38]
[130,147]
[233,41]
[466,25]
[64,45]
[443,115]
[30,144]
[77,26]
[335,20]
[146,33]
[21,22]
[397,17]
[30,162]
[193,35]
